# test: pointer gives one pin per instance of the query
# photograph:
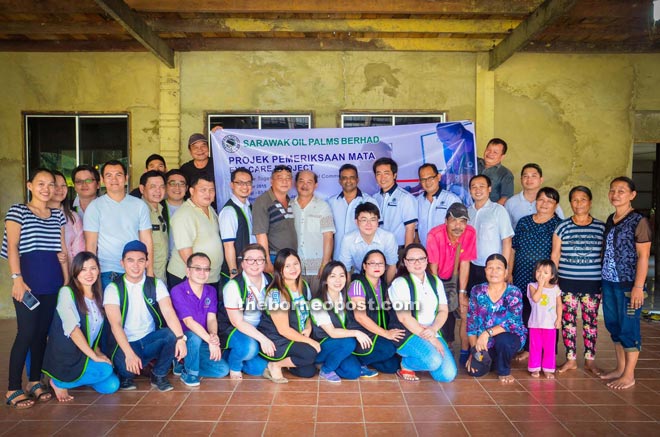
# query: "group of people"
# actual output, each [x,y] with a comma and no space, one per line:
[353,285]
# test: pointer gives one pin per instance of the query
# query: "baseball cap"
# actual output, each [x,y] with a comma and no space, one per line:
[480,362]
[196,137]
[458,211]
[134,246]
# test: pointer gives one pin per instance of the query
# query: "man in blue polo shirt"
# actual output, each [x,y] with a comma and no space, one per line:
[398,207]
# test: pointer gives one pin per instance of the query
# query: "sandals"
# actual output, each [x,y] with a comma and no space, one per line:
[43,396]
[268,375]
[21,404]
[407,375]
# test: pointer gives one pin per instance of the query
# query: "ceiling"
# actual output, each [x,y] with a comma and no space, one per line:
[500,27]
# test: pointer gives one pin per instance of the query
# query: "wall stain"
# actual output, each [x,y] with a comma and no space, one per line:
[381,75]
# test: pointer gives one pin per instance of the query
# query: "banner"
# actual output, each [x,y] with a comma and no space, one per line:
[450,146]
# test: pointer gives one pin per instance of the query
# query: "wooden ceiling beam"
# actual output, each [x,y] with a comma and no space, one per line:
[572,47]
[140,30]
[541,18]
[416,25]
[60,28]
[406,7]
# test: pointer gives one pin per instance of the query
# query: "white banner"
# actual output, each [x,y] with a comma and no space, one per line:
[450,146]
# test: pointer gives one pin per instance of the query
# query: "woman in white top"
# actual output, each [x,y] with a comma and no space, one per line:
[419,299]
[73,357]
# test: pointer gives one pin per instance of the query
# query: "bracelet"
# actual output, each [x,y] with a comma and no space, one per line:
[638,286]
[462,291]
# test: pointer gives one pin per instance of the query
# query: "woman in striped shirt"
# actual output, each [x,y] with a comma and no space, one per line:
[576,250]
[33,238]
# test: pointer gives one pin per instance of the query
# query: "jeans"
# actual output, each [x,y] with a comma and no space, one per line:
[382,357]
[108,277]
[198,360]
[337,356]
[98,375]
[622,322]
[243,355]
[420,355]
[542,350]
[159,344]
[505,348]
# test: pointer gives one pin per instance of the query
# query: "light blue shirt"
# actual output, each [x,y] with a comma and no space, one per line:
[518,207]
[492,224]
[398,209]
[344,216]
[116,223]
[354,248]
[432,214]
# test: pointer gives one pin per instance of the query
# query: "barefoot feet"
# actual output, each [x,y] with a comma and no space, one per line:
[612,374]
[621,383]
[506,379]
[61,394]
[568,365]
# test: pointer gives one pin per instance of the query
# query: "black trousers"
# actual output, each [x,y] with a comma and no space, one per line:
[31,335]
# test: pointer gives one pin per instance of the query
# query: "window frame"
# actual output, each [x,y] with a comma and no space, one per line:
[393,116]
[259,115]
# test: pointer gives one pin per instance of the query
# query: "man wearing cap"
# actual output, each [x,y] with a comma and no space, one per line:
[143,324]
[272,217]
[432,204]
[201,162]
[443,247]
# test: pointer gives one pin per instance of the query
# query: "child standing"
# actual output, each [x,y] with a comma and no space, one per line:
[545,298]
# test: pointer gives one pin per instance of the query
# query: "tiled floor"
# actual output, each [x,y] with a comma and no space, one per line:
[573,404]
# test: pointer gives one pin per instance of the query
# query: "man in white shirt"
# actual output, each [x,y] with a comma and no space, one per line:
[143,323]
[433,203]
[524,203]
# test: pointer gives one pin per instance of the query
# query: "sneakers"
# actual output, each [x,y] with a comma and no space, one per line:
[366,372]
[161,383]
[127,384]
[330,376]
[189,380]
[177,367]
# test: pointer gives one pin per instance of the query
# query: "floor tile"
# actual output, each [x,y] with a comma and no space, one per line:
[430,429]
[599,397]
[121,398]
[614,413]
[339,414]
[387,414]
[592,429]
[340,429]
[480,414]
[390,429]
[574,413]
[470,398]
[426,398]
[290,413]
[544,429]
[37,427]
[137,428]
[527,413]
[207,398]
[104,412]
[84,428]
[187,428]
[436,413]
[289,429]
[199,412]
[637,429]
[379,386]
[239,429]
[513,398]
[555,397]
[257,413]
[376,399]
[167,398]
[344,399]
[294,398]
[344,387]
[499,429]
[251,398]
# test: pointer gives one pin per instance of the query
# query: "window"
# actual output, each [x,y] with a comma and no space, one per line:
[258,121]
[366,120]
[62,142]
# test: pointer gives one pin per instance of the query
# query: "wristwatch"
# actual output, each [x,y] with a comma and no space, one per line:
[490,332]
[15,275]
[182,337]
[233,272]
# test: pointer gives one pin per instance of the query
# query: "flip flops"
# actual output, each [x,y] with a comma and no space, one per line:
[44,396]
[22,404]
[407,375]
[268,375]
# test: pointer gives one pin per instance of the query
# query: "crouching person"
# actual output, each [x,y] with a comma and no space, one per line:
[196,305]
[143,323]
[73,358]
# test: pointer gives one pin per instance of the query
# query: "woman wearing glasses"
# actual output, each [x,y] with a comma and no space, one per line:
[369,313]
[421,309]
[239,314]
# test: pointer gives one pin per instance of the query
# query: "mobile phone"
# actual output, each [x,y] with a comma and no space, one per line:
[30,301]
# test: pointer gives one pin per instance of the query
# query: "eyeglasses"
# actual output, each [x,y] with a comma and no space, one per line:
[253,261]
[375,264]
[198,269]
[84,181]
[163,225]
[243,183]
[364,220]
[176,184]
[428,179]
[416,260]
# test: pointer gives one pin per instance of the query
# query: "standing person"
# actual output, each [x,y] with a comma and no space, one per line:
[329,320]
[143,323]
[369,314]
[576,250]
[286,321]
[235,221]
[451,248]
[524,203]
[494,322]
[532,242]
[396,204]
[113,220]
[272,217]
[544,320]
[626,251]
[343,205]
[177,187]
[74,238]
[491,165]
[196,306]
[201,162]
[494,231]
[33,237]
[195,229]
[152,188]
[368,237]
[240,312]
[424,310]
[433,203]
[86,180]
[313,218]
[73,356]
[154,162]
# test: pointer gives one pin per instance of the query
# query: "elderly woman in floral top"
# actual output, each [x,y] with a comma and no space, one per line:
[494,319]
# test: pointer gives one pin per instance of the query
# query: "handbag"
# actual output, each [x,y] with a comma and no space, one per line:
[451,285]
